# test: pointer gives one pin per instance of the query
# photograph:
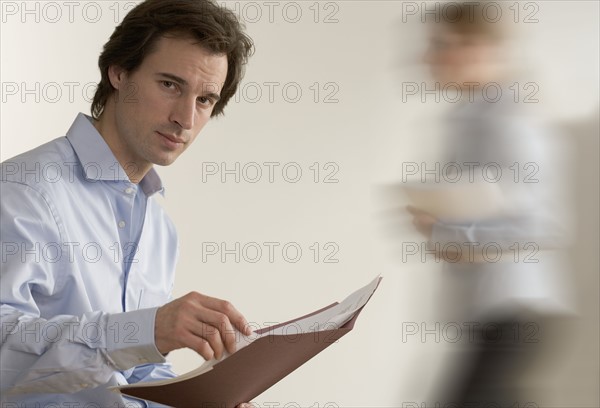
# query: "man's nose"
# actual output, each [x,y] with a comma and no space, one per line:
[183,113]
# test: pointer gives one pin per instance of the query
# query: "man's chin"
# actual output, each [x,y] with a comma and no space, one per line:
[164,161]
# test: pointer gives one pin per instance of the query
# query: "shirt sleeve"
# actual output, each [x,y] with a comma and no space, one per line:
[151,372]
[63,353]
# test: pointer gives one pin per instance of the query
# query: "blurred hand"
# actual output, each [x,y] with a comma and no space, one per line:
[423,221]
[199,322]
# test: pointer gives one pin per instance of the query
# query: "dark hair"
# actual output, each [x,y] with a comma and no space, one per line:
[212,26]
[471,19]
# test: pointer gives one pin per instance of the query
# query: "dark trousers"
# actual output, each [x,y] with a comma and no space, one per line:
[486,369]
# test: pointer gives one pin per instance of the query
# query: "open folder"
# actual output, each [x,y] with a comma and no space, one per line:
[261,360]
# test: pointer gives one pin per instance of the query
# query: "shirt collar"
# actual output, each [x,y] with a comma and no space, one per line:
[99,162]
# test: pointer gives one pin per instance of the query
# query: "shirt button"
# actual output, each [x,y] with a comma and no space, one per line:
[84,385]
[121,224]
[129,190]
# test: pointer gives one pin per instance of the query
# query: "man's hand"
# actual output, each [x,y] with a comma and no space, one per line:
[423,221]
[200,322]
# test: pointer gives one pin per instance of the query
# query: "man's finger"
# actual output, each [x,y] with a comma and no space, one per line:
[415,211]
[218,325]
[216,338]
[199,345]
[242,325]
[225,307]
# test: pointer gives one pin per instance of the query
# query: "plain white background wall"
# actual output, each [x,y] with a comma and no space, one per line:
[336,71]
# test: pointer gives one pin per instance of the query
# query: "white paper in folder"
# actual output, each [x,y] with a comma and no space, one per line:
[458,201]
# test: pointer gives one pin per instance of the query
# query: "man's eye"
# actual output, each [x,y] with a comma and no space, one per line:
[203,100]
[168,84]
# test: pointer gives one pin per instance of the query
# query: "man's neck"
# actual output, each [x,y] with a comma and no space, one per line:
[134,168]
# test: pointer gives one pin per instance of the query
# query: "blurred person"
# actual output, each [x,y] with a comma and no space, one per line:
[88,255]
[506,307]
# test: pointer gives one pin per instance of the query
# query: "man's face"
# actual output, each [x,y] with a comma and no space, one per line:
[162,106]
[455,58]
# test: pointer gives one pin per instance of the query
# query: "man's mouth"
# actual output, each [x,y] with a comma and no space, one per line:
[171,140]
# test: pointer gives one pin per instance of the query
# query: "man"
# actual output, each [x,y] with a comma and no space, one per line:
[88,256]
[512,294]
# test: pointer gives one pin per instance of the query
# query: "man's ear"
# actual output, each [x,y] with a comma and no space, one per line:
[117,76]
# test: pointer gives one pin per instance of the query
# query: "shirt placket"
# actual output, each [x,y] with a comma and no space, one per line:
[127,233]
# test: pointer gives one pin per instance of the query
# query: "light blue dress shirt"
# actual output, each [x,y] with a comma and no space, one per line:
[87,258]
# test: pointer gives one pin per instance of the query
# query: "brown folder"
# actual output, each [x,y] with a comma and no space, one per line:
[248,372]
